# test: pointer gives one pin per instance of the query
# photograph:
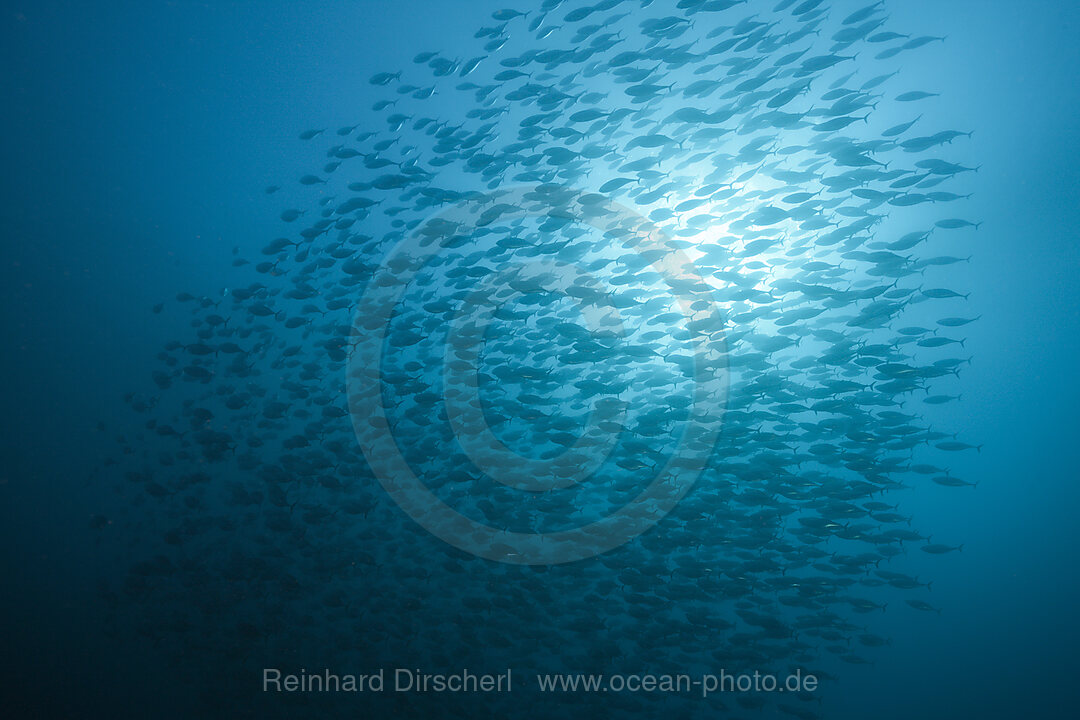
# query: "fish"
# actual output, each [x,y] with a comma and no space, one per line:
[939,549]
[914,95]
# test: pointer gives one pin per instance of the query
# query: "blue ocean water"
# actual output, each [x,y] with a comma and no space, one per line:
[140,138]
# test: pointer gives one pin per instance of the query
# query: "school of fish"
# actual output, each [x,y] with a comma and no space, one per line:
[661,255]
